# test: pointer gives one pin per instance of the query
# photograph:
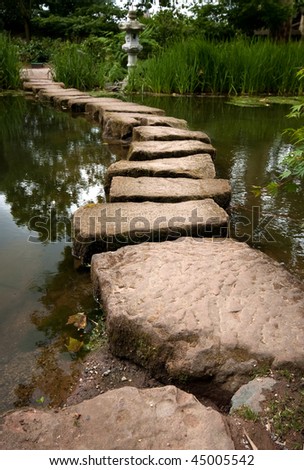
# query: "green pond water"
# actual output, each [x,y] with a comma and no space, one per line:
[50,164]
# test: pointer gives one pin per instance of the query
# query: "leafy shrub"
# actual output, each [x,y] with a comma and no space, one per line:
[37,50]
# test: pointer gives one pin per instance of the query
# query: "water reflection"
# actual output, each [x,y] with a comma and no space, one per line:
[49,165]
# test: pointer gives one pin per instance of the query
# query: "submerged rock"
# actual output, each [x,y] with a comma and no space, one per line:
[209,309]
[127,418]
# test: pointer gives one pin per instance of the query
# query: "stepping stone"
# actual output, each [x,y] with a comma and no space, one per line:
[208,309]
[98,111]
[35,85]
[126,189]
[62,100]
[77,105]
[127,418]
[68,93]
[198,166]
[119,126]
[144,133]
[107,227]
[173,149]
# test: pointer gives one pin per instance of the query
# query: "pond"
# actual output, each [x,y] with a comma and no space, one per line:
[50,164]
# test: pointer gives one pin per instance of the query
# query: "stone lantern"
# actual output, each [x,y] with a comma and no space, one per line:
[132,27]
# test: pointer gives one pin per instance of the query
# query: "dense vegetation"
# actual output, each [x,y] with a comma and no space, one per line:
[212,49]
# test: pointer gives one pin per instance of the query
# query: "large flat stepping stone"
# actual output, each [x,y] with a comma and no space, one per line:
[78,105]
[126,189]
[173,149]
[205,309]
[144,133]
[119,126]
[126,418]
[36,85]
[107,227]
[57,94]
[98,110]
[196,166]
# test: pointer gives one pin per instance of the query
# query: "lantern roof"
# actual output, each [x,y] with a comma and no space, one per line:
[131,24]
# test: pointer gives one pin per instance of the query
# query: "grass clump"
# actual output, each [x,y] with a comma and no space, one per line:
[77,68]
[247,413]
[10,65]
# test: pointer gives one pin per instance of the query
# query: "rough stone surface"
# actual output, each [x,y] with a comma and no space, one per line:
[98,111]
[119,126]
[50,95]
[36,85]
[173,149]
[62,100]
[105,227]
[126,189]
[123,419]
[78,105]
[252,394]
[144,133]
[196,167]
[212,309]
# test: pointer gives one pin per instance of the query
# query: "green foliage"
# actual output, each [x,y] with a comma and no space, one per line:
[292,173]
[235,67]
[250,15]
[108,50]
[247,413]
[9,64]
[77,68]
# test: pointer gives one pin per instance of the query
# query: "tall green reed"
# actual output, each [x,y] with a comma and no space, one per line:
[232,67]
[10,65]
[76,67]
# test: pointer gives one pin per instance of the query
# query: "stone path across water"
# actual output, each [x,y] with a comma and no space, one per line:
[196,306]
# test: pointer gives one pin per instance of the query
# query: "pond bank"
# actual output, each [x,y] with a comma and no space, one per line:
[186,338]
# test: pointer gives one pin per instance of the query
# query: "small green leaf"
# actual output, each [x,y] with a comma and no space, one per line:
[40,400]
[256,190]
[272,188]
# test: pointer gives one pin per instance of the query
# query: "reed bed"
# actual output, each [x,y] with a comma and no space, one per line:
[77,68]
[235,67]
[10,65]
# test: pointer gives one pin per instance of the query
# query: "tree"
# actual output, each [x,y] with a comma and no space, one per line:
[21,15]
[250,15]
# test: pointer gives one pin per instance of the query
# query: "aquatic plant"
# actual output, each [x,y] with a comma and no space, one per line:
[76,67]
[233,67]
[10,65]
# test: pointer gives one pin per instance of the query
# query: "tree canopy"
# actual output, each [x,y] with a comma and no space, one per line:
[45,16]
[80,18]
